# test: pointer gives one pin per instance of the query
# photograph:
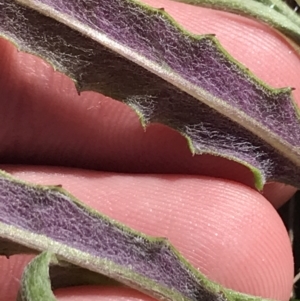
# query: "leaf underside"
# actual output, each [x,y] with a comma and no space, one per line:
[39,218]
[140,56]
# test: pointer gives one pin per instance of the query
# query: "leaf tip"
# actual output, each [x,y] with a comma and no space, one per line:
[259,179]
[190,144]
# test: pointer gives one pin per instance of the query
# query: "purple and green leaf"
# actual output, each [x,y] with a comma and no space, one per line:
[140,56]
[42,218]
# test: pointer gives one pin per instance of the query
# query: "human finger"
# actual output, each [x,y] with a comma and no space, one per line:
[227,230]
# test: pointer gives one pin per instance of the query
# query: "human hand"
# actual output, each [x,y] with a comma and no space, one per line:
[226,229]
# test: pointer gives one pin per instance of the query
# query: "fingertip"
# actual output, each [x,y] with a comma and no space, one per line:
[100,293]
[255,255]
[278,194]
[230,232]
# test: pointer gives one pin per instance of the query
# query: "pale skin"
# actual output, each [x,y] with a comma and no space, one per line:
[209,210]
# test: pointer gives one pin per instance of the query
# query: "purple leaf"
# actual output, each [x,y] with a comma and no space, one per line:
[48,218]
[140,56]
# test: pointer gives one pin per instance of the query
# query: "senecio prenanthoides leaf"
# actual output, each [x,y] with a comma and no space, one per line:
[49,219]
[140,56]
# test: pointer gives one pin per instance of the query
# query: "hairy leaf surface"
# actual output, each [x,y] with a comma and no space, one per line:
[40,218]
[140,56]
